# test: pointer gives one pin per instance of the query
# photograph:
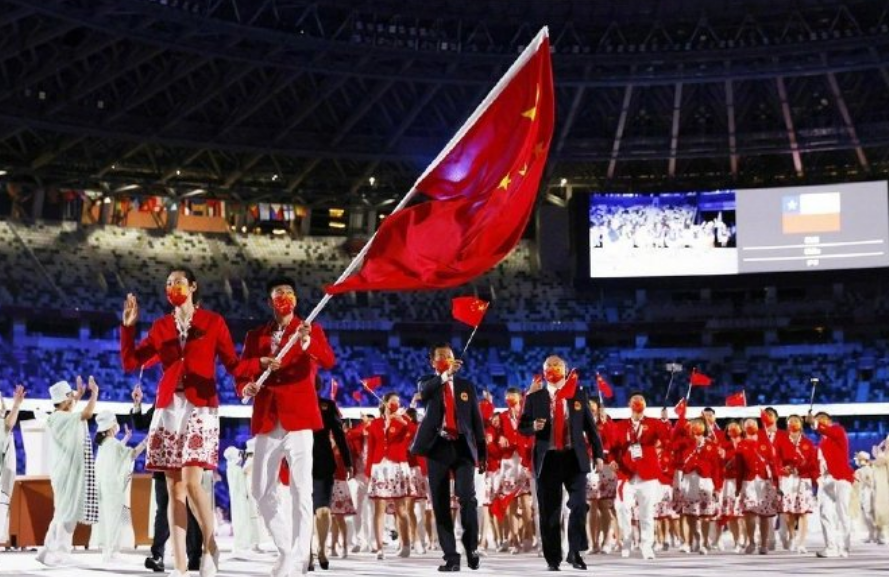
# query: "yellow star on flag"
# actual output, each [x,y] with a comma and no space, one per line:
[504,184]
[531,113]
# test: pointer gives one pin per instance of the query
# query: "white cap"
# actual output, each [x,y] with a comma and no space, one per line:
[59,392]
[105,421]
[862,456]
[231,454]
[251,445]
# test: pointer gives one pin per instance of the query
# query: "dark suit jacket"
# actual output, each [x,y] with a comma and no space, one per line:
[580,420]
[323,464]
[469,417]
[142,419]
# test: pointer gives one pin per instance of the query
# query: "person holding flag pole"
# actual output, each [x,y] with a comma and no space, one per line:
[285,414]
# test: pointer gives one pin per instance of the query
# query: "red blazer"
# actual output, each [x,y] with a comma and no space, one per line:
[517,441]
[288,396]
[834,446]
[665,461]
[390,442]
[704,461]
[802,457]
[730,469]
[647,467]
[495,451]
[355,440]
[606,435]
[192,369]
[763,437]
[753,458]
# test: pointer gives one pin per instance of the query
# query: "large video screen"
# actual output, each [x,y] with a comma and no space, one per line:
[725,232]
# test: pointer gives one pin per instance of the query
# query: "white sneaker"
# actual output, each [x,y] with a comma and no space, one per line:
[419,549]
[647,552]
[704,550]
[514,551]
[625,553]
[828,554]
[802,550]
[177,573]
[356,548]
[844,553]
[380,555]
[685,549]
[405,551]
[209,564]
[504,547]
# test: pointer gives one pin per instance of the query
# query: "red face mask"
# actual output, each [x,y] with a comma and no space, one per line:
[637,406]
[767,419]
[553,376]
[734,433]
[511,402]
[284,304]
[177,295]
[751,430]
[697,429]
[794,427]
[393,406]
[441,365]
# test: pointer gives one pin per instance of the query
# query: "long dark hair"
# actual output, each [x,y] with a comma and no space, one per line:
[191,278]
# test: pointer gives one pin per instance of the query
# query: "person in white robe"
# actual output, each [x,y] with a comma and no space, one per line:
[114,473]
[8,420]
[246,536]
[71,475]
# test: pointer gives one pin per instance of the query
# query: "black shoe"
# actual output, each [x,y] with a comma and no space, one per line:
[156,564]
[324,563]
[576,561]
[194,564]
[449,566]
[473,560]
[552,568]
[311,567]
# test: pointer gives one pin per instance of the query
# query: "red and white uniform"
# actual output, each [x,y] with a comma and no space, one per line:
[634,445]
[285,415]
[834,487]
[387,466]
[731,500]
[701,479]
[603,485]
[798,468]
[419,484]
[515,458]
[667,507]
[757,470]
[184,430]
[340,498]
[493,470]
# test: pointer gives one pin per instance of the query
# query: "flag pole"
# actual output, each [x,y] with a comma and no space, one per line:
[465,348]
[814,381]
[513,70]
[669,386]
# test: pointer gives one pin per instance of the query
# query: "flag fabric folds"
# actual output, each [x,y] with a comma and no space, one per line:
[372,383]
[736,400]
[481,190]
[469,310]
[700,379]
[604,387]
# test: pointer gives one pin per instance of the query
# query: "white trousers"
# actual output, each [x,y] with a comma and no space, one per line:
[291,531]
[363,518]
[645,494]
[834,497]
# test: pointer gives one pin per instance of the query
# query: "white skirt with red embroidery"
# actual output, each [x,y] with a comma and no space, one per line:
[182,435]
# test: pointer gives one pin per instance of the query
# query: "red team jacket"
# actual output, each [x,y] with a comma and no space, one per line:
[390,442]
[289,395]
[802,457]
[193,370]
[834,446]
[647,467]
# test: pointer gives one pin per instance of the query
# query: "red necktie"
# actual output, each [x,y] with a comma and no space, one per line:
[566,392]
[450,417]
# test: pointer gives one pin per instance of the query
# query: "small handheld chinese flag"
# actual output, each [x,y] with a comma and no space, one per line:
[372,383]
[681,407]
[736,400]
[469,310]
[604,387]
[356,394]
[700,379]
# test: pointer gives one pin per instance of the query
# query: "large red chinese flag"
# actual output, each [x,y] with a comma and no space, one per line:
[736,400]
[469,310]
[481,190]
[372,383]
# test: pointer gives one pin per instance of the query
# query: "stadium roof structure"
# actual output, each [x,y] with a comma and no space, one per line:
[325,101]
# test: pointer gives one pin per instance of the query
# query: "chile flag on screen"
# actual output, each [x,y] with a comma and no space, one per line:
[810,213]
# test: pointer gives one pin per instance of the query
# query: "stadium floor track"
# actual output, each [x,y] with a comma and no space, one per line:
[865,559]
